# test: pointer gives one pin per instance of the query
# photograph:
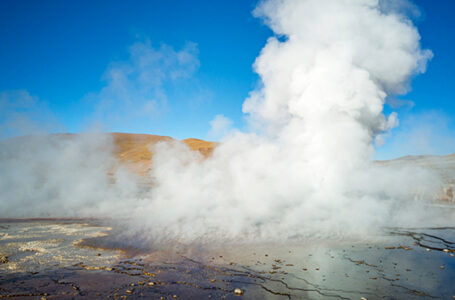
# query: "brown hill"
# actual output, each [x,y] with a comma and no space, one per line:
[132,150]
[135,149]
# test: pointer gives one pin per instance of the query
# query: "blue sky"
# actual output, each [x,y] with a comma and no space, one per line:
[74,58]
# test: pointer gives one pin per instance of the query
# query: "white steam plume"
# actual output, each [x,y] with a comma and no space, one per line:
[304,171]
[308,170]
[63,175]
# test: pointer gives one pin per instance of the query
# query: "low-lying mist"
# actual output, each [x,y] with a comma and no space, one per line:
[303,170]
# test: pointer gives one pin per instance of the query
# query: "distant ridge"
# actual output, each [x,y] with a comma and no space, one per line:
[135,149]
[131,149]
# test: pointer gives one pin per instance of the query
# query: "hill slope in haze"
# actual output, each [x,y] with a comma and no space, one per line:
[443,165]
[79,153]
[135,149]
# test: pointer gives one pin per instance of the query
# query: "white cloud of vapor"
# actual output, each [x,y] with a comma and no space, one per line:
[305,172]
[308,171]
[420,134]
[62,175]
[137,88]
[22,113]
[219,127]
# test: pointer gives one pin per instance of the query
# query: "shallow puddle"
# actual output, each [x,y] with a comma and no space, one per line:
[53,259]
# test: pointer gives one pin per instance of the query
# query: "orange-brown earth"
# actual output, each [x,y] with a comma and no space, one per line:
[135,150]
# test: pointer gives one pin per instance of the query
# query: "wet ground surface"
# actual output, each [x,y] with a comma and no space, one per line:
[48,259]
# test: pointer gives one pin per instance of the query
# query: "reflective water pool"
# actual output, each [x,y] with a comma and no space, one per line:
[52,259]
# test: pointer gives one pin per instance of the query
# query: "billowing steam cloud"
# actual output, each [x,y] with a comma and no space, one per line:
[305,168]
[306,171]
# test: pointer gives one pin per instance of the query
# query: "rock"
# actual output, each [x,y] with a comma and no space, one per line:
[4,259]
[405,248]
[238,292]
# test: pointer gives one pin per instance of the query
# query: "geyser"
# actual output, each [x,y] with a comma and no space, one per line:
[303,170]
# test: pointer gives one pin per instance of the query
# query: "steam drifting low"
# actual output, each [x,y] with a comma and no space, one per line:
[303,170]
